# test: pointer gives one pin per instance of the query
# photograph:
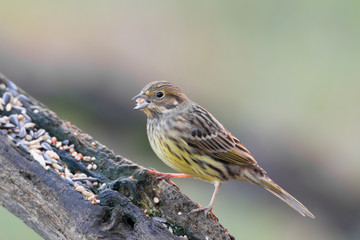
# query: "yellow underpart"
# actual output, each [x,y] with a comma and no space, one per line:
[172,154]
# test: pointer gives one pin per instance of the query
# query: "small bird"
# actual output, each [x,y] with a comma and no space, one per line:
[190,140]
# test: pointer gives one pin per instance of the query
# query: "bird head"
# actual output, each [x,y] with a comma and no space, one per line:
[159,98]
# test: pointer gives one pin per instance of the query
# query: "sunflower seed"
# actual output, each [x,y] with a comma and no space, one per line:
[21,124]
[8,125]
[12,135]
[22,132]
[2,101]
[4,120]
[28,118]
[7,97]
[14,120]
[46,146]
[39,133]
[85,178]
[24,98]
[19,109]
[89,184]
[11,85]
[21,141]
[66,142]
[1,107]
[46,136]
[24,147]
[69,181]
[48,160]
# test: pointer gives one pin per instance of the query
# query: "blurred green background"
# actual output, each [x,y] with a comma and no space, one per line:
[281,75]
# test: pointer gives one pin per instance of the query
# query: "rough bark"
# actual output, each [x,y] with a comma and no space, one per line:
[127,209]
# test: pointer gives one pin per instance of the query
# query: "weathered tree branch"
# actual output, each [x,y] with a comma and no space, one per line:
[132,204]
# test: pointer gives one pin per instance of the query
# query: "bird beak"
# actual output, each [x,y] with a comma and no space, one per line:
[141,101]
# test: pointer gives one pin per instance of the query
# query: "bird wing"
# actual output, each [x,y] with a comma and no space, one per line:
[211,138]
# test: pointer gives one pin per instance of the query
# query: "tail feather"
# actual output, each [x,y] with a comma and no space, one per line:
[264,181]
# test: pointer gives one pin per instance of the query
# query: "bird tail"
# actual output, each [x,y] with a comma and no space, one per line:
[263,180]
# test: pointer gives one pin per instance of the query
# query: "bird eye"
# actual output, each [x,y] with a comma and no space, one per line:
[160,94]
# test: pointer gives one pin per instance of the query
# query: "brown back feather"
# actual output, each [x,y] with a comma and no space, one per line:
[209,136]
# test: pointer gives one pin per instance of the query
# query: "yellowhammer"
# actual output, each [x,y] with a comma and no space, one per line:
[190,140]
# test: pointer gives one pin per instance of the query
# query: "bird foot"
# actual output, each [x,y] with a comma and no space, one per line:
[207,210]
[163,176]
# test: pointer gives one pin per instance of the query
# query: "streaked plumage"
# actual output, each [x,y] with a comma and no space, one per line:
[190,140]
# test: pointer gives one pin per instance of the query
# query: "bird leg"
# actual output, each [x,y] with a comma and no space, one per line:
[209,207]
[168,176]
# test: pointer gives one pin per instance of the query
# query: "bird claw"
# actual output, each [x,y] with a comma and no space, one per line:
[162,176]
[207,210]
